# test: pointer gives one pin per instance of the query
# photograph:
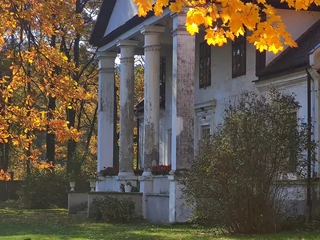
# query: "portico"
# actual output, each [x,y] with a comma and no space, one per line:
[155,37]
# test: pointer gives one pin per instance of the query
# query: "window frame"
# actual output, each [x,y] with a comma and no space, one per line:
[204,65]
[239,44]
[261,57]
[205,127]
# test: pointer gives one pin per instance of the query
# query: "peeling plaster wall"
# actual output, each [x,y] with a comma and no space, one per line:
[223,86]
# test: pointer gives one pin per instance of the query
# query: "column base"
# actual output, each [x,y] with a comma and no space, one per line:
[126,174]
[179,211]
[146,186]
[147,174]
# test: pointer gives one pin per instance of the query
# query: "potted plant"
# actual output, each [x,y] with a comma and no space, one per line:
[122,187]
[92,184]
[161,170]
[72,181]
[109,171]
[128,187]
[93,179]
[136,188]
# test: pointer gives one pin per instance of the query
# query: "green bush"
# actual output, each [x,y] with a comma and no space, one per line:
[44,189]
[113,209]
[234,180]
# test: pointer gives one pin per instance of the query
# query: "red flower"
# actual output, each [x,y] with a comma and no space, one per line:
[109,171]
[161,169]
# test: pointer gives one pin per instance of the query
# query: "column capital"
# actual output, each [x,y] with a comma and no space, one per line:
[106,60]
[127,48]
[152,37]
[127,43]
[179,23]
[103,54]
[153,30]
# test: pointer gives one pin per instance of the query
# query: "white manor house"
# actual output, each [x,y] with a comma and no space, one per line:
[187,84]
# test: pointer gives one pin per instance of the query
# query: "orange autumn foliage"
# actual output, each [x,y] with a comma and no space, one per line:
[227,19]
[35,37]
[4,176]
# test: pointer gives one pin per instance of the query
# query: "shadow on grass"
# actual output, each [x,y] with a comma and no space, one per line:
[56,224]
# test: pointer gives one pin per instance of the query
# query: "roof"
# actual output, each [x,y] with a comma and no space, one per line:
[102,22]
[293,59]
[97,37]
[140,106]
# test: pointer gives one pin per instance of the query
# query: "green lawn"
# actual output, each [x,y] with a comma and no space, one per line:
[56,224]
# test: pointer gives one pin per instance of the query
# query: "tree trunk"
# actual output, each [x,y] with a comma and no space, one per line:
[4,156]
[50,137]
[71,114]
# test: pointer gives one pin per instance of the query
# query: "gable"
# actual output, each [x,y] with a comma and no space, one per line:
[122,12]
[104,15]
[115,17]
[294,58]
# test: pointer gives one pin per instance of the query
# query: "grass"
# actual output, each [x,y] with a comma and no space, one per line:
[16,224]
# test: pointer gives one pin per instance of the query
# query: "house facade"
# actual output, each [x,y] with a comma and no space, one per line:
[187,85]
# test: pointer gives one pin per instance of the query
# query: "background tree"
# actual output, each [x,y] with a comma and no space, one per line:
[234,179]
[48,74]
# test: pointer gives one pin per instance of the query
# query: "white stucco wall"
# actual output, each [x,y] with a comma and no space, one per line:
[223,87]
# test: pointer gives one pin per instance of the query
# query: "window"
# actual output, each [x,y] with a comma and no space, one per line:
[162,81]
[204,65]
[169,147]
[239,56]
[261,56]
[205,132]
[260,61]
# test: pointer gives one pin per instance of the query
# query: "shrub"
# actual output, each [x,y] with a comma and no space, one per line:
[234,179]
[44,189]
[113,209]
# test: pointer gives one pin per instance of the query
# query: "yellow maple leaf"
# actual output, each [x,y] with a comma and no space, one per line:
[192,28]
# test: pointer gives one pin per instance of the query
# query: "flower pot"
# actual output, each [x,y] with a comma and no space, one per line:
[92,185]
[127,188]
[72,186]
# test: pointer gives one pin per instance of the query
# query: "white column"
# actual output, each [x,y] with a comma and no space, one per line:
[127,49]
[105,109]
[183,76]
[151,96]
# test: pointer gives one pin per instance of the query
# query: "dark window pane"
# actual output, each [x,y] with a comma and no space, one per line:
[204,65]
[239,56]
